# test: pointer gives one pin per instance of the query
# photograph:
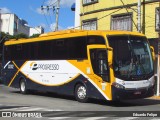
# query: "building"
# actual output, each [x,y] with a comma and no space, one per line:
[120,15]
[77,14]
[36,30]
[10,23]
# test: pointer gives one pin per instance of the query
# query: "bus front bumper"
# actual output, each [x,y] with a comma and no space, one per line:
[123,94]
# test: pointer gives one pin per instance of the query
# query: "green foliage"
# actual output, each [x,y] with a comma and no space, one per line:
[21,35]
[34,36]
[2,34]
[5,36]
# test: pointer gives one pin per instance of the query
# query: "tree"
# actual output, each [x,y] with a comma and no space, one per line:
[34,36]
[21,35]
[5,36]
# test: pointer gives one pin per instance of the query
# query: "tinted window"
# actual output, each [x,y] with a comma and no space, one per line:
[44,50]
[77,48]
[67,48]
[95,40]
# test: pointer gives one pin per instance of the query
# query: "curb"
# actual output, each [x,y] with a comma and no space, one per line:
[155,97]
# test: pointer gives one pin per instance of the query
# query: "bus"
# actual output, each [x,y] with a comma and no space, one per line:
[106,65]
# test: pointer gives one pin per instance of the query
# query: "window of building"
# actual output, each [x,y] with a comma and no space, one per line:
[157,19]
[89,24]
[87,2]
[121,22]
[15,26]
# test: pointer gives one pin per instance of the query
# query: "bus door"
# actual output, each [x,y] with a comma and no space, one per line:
[99,61]
[98,56]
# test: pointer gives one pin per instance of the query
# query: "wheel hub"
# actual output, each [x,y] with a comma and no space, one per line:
[81,92]
[23,86]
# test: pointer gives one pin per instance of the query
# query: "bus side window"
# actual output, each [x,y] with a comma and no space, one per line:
[102,62]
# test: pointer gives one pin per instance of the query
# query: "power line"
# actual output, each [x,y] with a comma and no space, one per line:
[43,2]
[53,3]
[109,14]
[50,16]
[134,10]
[141,13]
[46,20]
[51,6]
[42,9]
[49,2]
[102,17]
[128,12]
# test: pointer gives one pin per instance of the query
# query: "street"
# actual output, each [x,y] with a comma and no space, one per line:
[65,107]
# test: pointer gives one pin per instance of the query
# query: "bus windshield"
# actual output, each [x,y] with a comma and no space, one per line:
[132,57]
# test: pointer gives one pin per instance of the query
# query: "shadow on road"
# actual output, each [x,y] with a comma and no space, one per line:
[125,103]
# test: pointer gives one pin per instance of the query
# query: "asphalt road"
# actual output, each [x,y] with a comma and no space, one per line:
[58,107]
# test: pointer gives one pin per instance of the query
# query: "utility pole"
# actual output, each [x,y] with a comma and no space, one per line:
[144,20]
[57,14]
[57,7]
[139,16]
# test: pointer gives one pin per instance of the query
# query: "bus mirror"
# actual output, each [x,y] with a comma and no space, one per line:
[110,55]
[153,53]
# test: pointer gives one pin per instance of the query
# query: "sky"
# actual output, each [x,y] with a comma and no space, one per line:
[30,10]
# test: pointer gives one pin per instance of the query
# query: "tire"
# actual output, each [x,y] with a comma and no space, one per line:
[23,87]
[81,93]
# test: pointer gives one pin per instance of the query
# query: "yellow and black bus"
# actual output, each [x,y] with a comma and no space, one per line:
[109,65]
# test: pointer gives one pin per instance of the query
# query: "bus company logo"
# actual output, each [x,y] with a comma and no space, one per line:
[36,66]
[10,66]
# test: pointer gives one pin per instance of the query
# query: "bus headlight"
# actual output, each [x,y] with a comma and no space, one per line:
[117,85]
[151,83]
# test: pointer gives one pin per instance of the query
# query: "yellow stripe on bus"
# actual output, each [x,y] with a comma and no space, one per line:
[11,81]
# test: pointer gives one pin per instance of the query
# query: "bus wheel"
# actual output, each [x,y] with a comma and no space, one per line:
[23,88]
[81,93]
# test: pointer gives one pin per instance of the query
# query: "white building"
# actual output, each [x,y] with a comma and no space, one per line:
[13,25]
[77,14]
[36,30]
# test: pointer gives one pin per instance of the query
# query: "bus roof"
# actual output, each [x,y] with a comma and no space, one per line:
[69,34]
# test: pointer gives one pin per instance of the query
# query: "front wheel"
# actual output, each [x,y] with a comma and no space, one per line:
[81,93]
[23,87]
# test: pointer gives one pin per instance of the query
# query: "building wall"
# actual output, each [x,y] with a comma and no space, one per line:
[7,23]
[13,25]
[22,27]
[103,10]
[77,14]
[36,30]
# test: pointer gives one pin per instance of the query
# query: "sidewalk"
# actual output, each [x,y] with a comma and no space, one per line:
[155,97]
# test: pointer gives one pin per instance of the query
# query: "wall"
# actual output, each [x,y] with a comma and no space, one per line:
[103,10]
[36,30]
[8,25]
